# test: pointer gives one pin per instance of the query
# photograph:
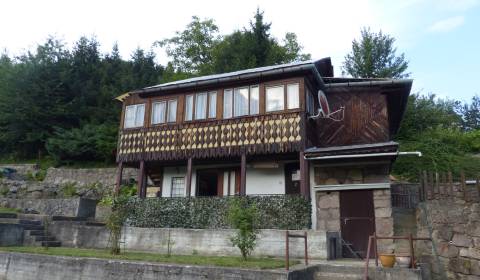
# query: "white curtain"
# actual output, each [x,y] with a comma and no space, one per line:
[293,97]
[254,97]
[212,104]
[274,98]
[189,108]
[129,120]
[240,102]
[158,114]
[201,106]
[172,111]
[139,115]
[227,104]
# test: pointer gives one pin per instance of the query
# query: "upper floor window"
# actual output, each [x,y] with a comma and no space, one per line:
[134,115]
[277,99]
[240,102]
[201,105]
[310,104]
[164,111]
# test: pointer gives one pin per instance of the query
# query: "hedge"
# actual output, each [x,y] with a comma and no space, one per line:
[273,212]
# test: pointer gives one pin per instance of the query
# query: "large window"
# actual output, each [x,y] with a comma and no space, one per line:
[201,105]
[274,97]
[134,115]
[161,112]
[189,108]
[178,187]
[240,102]
[293,96]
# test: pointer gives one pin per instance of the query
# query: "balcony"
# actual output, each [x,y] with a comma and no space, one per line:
[252,135]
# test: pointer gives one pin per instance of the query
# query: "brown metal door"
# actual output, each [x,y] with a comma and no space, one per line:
[357,219]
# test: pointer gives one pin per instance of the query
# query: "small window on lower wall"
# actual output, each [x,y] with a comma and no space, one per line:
[178,187]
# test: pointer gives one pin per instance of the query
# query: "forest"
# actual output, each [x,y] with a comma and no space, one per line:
[57,102]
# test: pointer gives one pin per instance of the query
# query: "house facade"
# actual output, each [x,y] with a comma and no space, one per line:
[259,132]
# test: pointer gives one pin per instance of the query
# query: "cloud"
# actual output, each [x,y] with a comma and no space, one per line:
[446,25]
[457,5]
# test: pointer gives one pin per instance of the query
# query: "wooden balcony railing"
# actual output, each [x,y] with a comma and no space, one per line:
[274,133]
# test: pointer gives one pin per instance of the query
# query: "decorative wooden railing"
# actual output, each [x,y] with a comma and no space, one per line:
[273,133]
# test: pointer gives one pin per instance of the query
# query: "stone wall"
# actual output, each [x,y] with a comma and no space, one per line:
[22,169]
[74,207]
[11,235]
[187,241]
[328,211]
[454,226]
[87,176]
[383,219]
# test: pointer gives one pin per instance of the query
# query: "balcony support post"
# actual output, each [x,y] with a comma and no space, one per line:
[189,177]
[141,180]
[118,181]
[304,177]
[243,175]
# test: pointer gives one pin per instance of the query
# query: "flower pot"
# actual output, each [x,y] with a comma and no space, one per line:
[403,261]
[387,260]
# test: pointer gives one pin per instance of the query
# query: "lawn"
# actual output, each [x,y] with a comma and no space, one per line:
[8,210]
[258,263]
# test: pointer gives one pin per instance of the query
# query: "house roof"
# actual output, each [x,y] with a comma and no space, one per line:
[317,68]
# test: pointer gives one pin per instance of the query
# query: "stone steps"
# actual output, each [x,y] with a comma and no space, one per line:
[339,272]
[337,276]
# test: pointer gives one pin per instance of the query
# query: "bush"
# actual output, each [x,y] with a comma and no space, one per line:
[69,190]
[273,212]
[243,217]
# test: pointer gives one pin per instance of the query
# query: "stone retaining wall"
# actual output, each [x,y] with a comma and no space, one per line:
[11,235]
[75,207]
[187,241]
[87,176]
[454,226]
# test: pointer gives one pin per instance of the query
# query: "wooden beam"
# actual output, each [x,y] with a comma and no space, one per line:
[243,175]
[118,181]
[189,177]
[141,180]
[304,177]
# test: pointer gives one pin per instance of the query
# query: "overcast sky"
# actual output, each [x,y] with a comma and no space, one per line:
[440,38]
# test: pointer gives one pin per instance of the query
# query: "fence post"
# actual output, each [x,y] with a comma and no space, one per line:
[287,261]
[464,186]
[436,189]
[443,182]
[478,188]
[450,184]
[432,185]
[306,250]
[425,185]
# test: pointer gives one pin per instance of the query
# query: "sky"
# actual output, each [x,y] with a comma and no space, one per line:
[440,38]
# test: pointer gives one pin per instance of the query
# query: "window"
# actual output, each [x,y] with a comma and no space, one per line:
[201,106]
[172,111]
[274,98]
[293,96]
[227,103]
[189,108]
[212,104]
[178,187]
[310,105]
[158,112]
[240,102]
[134,115]
[254,100]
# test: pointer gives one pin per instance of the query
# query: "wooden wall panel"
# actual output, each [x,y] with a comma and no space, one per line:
[365,122]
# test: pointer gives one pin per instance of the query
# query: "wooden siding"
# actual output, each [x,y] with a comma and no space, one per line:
[252,135]
[365,122]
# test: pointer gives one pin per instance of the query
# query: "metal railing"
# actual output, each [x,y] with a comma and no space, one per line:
[288,235]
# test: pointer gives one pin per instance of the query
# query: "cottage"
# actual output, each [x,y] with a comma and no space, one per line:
[283,129]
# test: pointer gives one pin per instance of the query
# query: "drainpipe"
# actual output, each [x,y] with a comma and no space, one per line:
[419,154]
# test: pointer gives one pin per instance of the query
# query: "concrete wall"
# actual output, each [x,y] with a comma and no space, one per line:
[187,241]
[11,235]
[77,207]
[15,266]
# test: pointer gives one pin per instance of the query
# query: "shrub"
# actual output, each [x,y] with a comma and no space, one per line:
[69,190]
[242,217]
[273,212]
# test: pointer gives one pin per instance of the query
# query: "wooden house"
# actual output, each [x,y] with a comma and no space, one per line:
[259,132]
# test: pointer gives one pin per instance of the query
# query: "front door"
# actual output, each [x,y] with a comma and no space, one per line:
[209,182]
[357,219]
[292,178]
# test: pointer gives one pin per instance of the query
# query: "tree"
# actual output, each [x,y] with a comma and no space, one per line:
[471,114]
[374,56]
[191,49]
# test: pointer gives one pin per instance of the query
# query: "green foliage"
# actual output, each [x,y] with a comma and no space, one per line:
[4,190]
[373,56]
[471,114]
[38,175]
[243,217]
[69,190]
[433,126]
[115,221]
[273,212]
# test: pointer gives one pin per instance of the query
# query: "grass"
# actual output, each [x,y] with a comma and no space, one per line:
[256,263]
[9,210]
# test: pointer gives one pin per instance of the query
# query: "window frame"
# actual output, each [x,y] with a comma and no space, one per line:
[192,117]
[167,111]
[283,85]
[164,112]
[135,116]
[287,97]
[172,183]
[232,103]
[209,94]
